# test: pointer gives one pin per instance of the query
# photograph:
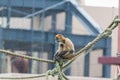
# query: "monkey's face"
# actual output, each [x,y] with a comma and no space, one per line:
[60,38]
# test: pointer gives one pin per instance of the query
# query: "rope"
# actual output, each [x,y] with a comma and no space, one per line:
[59,68]
[28,77]
[105,33]
[55,71]
[25,56]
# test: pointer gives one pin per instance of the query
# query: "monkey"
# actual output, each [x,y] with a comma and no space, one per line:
[64,52]
[65,49]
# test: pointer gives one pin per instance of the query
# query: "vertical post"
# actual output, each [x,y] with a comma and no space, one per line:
[68,26]
[53,22]
[2,16]
[119,30]
[118,35]
[9,64]
[68,23]
[1,46]
[42,18]
[9,14]
[86,64]
[42,15]
[55,47]
[107,52]
[51,56]
[32,34]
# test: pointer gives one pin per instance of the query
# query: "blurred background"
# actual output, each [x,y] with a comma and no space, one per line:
[29,27]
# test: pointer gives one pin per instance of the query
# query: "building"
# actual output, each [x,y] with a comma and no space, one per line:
[55,21]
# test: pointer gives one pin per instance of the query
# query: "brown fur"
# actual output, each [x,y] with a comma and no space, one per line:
[64,45]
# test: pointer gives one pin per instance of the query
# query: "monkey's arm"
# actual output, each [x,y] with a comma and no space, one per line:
[69,45]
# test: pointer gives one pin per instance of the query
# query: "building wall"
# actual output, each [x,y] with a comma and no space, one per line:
[103,16]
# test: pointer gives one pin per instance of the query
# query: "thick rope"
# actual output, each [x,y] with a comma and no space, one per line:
[105,33]
[59,69]
[28,77]
[25,56]
[55,71]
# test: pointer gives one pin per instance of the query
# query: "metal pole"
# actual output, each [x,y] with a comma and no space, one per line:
[46,9]
[19,12]
[87,64]
[53,24]
[68,21]
[42,16]
[32,34]
[118,35]
[1,46]
[119,30]
[9,14]
[107,52]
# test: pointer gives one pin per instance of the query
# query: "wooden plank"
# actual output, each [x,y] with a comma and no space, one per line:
[109,60]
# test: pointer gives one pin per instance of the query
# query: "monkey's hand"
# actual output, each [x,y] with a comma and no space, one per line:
[57,57]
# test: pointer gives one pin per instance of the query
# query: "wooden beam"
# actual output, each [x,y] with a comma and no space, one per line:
[109,60]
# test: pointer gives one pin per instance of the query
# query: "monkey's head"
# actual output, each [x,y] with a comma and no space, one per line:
[60,38]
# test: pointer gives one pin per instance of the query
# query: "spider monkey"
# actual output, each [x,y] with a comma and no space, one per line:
[65,49]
